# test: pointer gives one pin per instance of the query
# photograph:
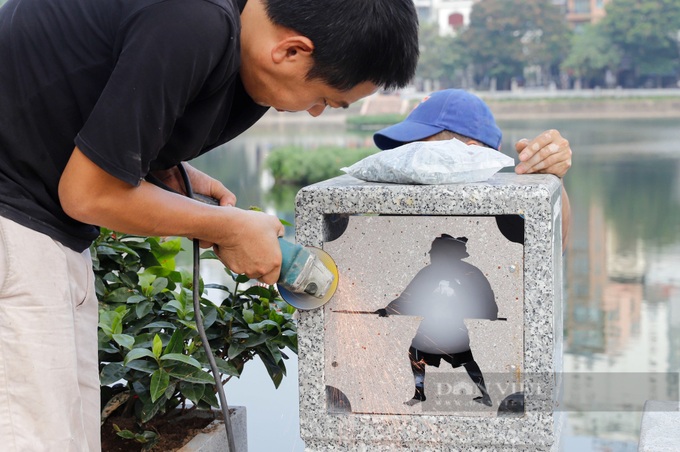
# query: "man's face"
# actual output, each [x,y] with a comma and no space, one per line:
[295,93]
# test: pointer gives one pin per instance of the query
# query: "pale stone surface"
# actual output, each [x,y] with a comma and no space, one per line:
[214,437]
[659,431]
[525,349]
[367,357]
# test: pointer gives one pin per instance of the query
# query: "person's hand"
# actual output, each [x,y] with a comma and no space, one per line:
[548,153]
[251,245]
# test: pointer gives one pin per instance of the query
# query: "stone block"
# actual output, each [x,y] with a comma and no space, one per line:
[469,277]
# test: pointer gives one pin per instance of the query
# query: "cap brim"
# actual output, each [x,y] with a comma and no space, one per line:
[402,133]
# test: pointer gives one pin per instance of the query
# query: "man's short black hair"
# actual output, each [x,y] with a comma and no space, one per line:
[355,41]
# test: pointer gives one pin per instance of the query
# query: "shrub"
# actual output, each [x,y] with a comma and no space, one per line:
[296,165]
[151,357]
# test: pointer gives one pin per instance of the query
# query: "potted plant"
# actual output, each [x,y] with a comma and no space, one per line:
[153,366]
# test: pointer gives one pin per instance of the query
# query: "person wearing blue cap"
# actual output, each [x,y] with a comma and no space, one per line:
[456,113]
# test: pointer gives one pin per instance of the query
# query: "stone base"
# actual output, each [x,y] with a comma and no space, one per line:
[213,438]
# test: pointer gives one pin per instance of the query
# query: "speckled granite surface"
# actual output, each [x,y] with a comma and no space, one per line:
[376,232]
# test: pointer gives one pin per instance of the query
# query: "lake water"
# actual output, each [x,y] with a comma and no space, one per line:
[621,272]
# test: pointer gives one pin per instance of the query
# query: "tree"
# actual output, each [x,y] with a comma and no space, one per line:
[646,33]
[592,54]
[507,36]
[442,59]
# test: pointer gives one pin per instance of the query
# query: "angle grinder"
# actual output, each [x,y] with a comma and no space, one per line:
[309,276]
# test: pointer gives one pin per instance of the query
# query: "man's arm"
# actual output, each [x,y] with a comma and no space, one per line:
[548,153]
[200,183]
[246,241]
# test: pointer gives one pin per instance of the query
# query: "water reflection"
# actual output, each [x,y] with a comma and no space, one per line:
[622,289]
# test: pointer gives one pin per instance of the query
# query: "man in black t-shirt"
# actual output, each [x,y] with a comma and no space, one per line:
[96,96]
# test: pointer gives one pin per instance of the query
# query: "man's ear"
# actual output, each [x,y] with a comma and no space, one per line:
[292,48]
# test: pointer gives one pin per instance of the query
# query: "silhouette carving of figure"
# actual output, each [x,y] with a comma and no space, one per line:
[445,293]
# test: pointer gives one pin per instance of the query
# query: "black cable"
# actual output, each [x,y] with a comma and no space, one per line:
[201,329]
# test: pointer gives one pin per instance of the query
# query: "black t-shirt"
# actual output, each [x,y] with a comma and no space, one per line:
[137,85]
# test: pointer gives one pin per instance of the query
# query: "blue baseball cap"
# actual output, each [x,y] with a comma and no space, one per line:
[455,110]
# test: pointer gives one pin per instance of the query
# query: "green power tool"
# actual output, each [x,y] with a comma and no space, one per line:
[309,276]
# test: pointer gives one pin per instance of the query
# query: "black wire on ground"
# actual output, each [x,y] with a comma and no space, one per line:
[201,330]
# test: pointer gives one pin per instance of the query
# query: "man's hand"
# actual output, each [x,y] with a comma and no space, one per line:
[253,246]
[548,153]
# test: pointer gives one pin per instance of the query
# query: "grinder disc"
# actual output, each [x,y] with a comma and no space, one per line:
[304,301]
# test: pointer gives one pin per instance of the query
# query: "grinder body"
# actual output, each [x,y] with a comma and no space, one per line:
[308,276]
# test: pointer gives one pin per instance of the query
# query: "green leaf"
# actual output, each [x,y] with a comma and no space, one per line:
[166,249]
[248,315]
[209,254]
[158,285]
[170,390]
[192,391]
[258,291]
[135,299]
[174,306]
[189,324]
[209,317]
[190,374]
[210,398]
[127,434]
[275,370]
[111,373]
[119,295]
[235,350]
[150,409]
[176,343]
[264,325]
[161,324]
[227,367]
[143,308]
[159,383]
[255,339]
[137,353]
[117,325]
[181,358]
[129,279]
[275,352]
[242,279]
[149,435]
[124,340]
[157,347]
[142,365]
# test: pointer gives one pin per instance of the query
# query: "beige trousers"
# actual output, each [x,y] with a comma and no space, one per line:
[49,382]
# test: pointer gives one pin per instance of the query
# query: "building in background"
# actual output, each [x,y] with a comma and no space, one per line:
[581,12]
[449,15]
[452,15]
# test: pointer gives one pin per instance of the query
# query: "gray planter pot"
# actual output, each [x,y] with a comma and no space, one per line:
[213,438]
